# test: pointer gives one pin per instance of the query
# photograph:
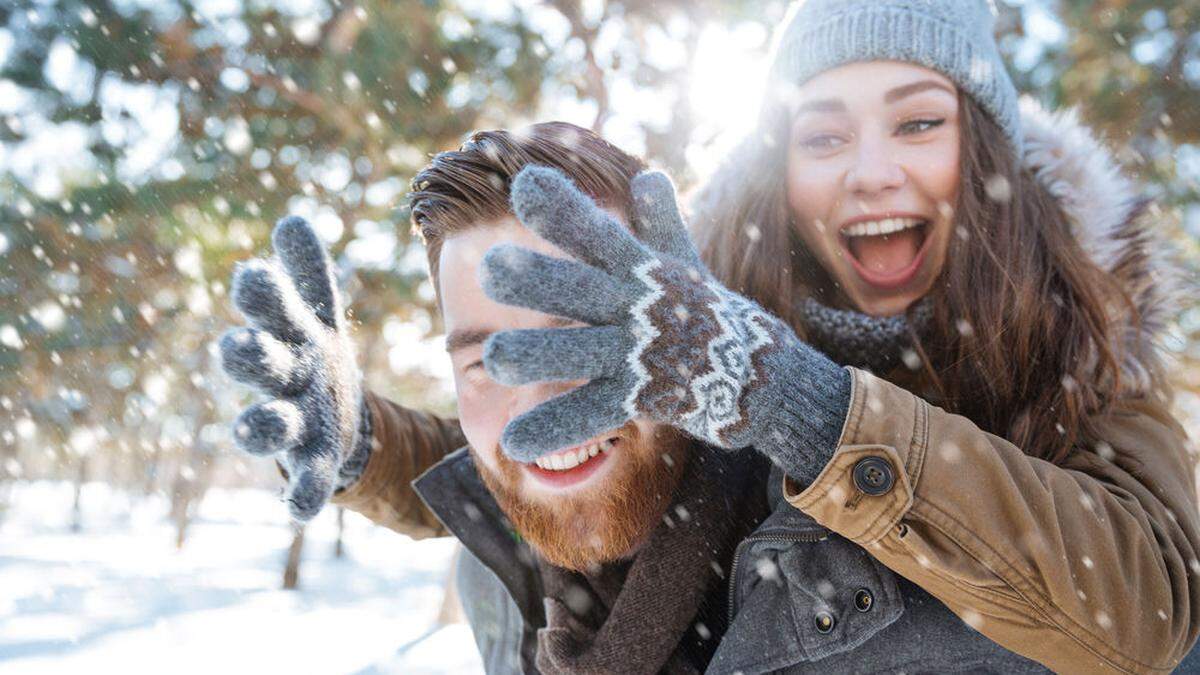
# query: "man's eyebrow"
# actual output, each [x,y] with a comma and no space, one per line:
[914,88]
[461,339]
[468,337]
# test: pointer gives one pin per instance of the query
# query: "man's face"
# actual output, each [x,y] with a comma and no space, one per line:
[590,503]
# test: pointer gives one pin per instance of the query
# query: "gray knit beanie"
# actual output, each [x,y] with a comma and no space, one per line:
[952,37]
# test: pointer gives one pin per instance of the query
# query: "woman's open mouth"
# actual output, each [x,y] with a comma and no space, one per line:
[573,465]
[887,253]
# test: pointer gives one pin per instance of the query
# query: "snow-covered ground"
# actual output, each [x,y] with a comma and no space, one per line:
[119,597]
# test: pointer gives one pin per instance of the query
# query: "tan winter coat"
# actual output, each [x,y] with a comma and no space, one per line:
[1088,567]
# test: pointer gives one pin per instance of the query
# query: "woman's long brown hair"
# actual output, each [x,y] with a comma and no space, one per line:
[1025,335]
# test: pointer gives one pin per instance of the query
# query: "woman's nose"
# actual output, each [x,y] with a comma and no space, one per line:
[874,170]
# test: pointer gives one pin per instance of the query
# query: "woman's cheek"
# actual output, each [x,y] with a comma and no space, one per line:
[937,166]
[812,193]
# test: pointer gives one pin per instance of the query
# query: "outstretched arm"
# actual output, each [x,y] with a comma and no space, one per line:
[326,433]
[406,442]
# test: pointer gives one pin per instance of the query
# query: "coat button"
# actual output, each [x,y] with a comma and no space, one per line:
[873,475]
[824,621]
[863,600]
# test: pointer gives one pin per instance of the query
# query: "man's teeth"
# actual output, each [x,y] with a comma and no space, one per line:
[885,226]
[569,459]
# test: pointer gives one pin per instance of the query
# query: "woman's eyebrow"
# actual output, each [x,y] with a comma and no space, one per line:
[893,95]
[914,88]
[823,105]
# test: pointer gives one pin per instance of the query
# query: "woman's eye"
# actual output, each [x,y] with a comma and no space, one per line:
[822,142]
[917,126]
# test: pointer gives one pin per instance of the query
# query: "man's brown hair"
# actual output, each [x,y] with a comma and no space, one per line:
[461,189]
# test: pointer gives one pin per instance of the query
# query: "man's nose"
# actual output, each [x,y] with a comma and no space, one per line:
[875,168]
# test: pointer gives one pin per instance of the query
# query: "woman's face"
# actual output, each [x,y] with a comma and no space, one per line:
[872,176]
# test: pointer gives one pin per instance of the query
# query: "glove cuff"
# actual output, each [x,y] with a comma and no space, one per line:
[356,462]
[812,406]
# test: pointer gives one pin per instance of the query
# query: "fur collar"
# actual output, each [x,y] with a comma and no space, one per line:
[1115,225]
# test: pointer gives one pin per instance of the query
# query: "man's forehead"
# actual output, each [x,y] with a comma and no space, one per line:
[469,315]
[462,251]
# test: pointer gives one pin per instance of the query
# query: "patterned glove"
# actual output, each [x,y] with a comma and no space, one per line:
[299,353]
[666,341]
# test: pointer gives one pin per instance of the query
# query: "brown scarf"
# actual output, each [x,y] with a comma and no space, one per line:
[641,616]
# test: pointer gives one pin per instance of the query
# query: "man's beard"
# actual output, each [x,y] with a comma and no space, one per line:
[606,522]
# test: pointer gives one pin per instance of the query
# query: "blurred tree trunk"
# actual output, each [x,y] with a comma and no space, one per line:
[291,572]
[151,472]
[77,508]
[338,548]
[193,478]
[188,491]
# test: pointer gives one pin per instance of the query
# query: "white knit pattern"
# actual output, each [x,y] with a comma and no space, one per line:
[643,330]
[718,392]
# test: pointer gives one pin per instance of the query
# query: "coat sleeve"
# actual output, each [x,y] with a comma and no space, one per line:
[1086,566]
[404,444]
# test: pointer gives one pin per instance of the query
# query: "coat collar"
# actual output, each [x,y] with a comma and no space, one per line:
[454,492]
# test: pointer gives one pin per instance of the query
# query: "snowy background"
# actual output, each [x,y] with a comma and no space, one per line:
[118,597]
[147,146]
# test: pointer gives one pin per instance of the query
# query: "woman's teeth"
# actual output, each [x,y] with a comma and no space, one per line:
[886,226]
[569,459]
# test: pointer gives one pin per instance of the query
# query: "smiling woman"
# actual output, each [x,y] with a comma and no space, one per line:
[974,260]
[871,180]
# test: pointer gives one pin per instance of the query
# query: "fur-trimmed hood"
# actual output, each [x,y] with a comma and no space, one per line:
[1115,224]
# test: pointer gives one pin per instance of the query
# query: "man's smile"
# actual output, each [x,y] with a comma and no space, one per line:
[570,468]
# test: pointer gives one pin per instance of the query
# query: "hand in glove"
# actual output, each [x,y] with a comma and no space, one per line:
[300,354]
[666,340]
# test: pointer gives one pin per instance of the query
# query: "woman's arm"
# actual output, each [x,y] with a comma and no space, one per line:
[404,444]
[1084,567]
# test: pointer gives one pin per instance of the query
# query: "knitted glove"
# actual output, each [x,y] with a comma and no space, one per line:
[666,340]
[299,353]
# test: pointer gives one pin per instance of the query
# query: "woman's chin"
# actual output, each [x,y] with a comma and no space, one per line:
[873,301]
[888,306]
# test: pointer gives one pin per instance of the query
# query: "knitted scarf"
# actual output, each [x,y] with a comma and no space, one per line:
[664,610]
[852,338]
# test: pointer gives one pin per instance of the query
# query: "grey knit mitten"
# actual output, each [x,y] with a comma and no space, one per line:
[299,353]
[666,340]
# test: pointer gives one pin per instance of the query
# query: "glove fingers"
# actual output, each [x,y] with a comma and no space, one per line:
[567,419]
[518,276]
[269,427]
[659,221]
[253,357]
[517,357]
[312,485]
[315,466]
[547,202]
[304,258]
[262,293]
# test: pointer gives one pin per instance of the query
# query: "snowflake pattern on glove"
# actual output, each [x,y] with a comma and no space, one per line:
[665,341]
[699,354]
